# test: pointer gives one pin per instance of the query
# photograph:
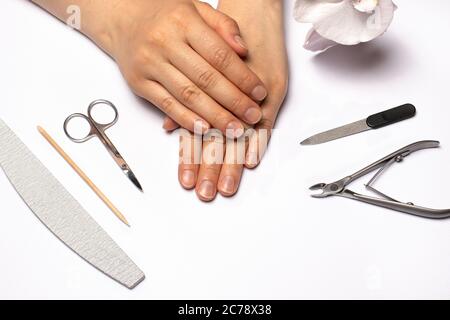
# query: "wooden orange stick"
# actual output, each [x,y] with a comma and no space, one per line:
[82,175]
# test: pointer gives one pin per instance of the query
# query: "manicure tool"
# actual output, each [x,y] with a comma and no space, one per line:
[61,213]
[339,188]
[83,176]
[98,130]
[375,121]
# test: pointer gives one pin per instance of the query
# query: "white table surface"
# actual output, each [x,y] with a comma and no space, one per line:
[271,241]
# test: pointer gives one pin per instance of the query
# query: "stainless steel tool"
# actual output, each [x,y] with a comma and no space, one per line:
[98,130]
[61,213]
[375,121]
[339,188]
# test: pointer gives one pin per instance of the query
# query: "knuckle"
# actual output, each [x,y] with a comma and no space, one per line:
[247,80]
[139,60]
[207,79]
[219,119]
[141,57]
[236,105]
[213,169]
[179,14]
[186,119]
[167,105]
[157,38]
[189,94]
[221,58]
[134,81]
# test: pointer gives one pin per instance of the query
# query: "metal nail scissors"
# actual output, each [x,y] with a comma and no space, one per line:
[98,130]
[338,188]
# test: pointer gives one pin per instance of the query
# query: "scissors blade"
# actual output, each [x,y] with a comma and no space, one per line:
[133,179]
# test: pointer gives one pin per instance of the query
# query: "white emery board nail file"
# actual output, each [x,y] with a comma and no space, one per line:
[61,213]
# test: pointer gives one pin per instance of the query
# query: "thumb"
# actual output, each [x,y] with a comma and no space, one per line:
[225,26]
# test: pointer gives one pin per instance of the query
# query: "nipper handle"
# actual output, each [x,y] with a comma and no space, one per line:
[408,208]
[426,144]
[391,116]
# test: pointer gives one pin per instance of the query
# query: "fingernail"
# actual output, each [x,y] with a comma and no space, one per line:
[207,190]
[205,126]
[166,124]
[188,178]
[240,41]
[228,185]
[252,159]
[253,115]
[234,130]
[200,126]
[259,93]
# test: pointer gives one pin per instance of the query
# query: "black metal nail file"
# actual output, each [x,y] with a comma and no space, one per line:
[375,121]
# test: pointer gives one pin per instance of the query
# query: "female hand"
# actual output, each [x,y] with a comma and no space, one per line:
[261,23]
[178,54]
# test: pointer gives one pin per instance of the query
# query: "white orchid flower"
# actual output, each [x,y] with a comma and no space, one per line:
[346,22]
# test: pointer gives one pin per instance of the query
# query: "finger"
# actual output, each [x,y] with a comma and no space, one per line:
[169,124]
[219,55]
[225,26]
[216,85]
[187,93]
[260,136]
[190,155]
[257,146]
[160,97]
[212,159]
[232,168]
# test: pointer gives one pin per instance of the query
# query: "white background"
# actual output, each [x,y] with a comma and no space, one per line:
[271,241]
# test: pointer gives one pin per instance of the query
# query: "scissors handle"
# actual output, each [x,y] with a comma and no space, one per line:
[103,126]
[92,132]
[96,128]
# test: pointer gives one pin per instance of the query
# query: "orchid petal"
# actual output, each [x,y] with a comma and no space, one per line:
[341,22]
[315,42]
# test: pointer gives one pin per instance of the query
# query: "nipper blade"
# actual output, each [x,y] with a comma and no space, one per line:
[321,187]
